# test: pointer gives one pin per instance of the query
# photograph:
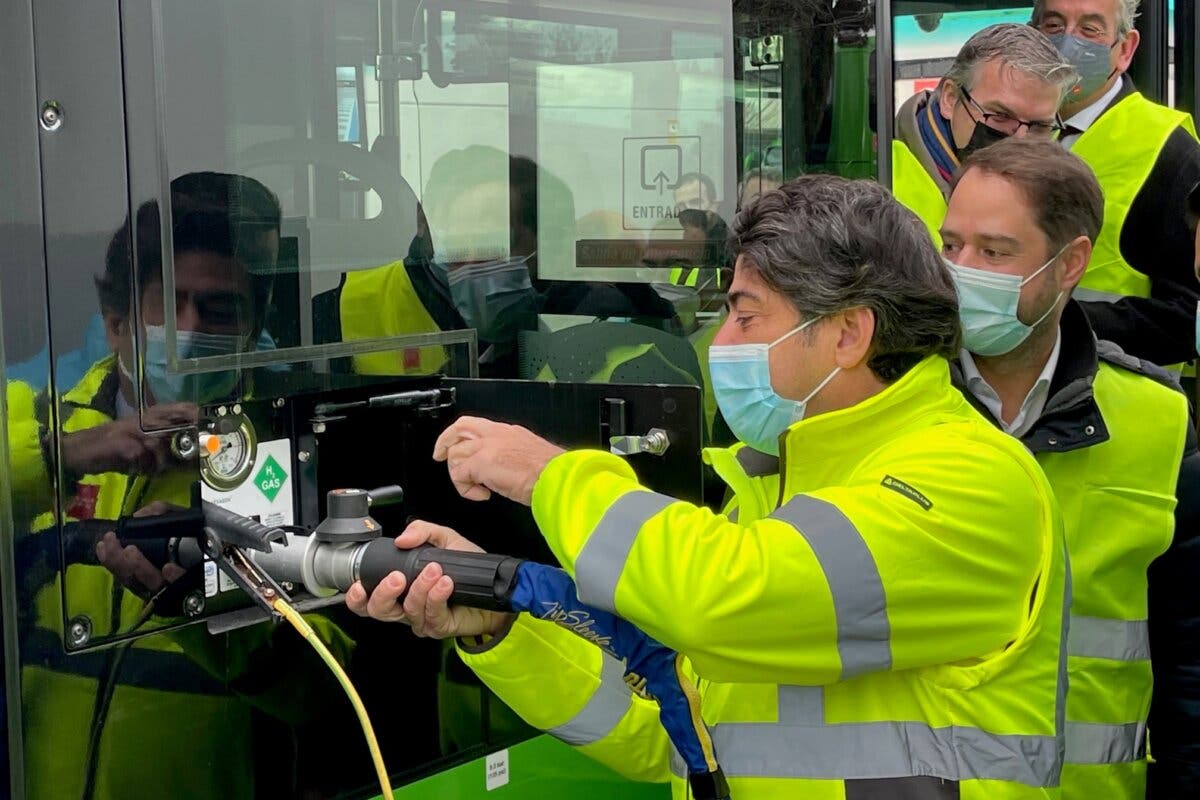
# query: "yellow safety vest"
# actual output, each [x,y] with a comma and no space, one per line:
[172,713]
[916,190]
[1122,147]
[382,302]
[875,625]
[1117,499]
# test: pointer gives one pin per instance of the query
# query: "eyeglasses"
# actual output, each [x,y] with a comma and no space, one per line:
[1010,126]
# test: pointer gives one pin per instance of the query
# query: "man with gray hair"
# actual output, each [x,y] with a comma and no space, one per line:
[1007,80]
[1139,290]
[878,610]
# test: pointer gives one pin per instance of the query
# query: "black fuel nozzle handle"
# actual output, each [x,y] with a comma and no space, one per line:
[233,528]
[386,495]
[481,580]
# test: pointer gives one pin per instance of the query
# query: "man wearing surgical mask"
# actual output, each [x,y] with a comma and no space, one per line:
[1139,290]
[877,612]
[225,231]
[101,445]
[1007,80]
[1112,433]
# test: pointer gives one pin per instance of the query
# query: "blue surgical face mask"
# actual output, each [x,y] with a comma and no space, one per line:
[987,308]
[204,387]
[1090,59]
[496,297]
[741,380]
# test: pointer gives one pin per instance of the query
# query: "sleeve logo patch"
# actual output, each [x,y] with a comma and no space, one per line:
[903,488]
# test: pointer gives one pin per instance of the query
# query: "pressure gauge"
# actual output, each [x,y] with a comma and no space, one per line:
[226,459]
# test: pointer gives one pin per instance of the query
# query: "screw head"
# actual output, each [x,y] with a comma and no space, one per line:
[237,408]
[288,586]
[318,427]
[184,446]
[51,116]
[303,456]
[193,604]
[268,592]
[278,402]
[222,411]
[79,631]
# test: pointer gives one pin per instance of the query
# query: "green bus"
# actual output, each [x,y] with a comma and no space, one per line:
[597,149]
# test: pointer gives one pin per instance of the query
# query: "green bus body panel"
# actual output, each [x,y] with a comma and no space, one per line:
[537,768]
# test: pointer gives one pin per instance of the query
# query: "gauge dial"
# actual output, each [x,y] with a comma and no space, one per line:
[227,458]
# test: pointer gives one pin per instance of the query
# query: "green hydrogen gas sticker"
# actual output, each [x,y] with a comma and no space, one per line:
[270,478]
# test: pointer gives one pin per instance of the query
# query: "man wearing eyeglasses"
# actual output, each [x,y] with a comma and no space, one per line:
[1139,289]
[1007,80]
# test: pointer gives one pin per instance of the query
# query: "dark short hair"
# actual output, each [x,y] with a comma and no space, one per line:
[830,244]
[1062,191]
[211,212]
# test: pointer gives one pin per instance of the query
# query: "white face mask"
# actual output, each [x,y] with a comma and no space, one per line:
[987,308]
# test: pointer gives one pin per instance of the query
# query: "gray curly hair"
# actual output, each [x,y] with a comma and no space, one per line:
[1019,47]
[830,244]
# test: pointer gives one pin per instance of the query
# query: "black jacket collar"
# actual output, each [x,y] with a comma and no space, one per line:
[1071,419]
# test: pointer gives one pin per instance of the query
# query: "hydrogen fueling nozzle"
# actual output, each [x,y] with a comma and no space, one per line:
[350,546]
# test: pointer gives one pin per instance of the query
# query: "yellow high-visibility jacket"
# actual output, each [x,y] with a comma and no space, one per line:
[879,613]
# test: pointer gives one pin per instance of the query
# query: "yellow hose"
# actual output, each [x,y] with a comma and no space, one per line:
[301,624]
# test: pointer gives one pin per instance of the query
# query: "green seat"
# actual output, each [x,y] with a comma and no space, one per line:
[608,352]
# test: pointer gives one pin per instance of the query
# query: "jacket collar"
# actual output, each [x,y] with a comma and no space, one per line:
[829,444]
[1071,419]
[1126,89]
[98,388]
[908,131]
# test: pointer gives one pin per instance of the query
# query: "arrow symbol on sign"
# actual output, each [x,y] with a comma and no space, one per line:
[662,180]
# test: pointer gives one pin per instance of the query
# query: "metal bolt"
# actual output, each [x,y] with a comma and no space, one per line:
[303,456]
[222,411]
[237,408]
[79,631]
[268,592]
[1052,442]
[318,427]
[278,402]
[1090,430]
[193,604]
[288,586]
[51,116]
[657,441]
[184,446]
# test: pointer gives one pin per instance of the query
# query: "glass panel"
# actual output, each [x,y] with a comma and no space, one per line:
[927,42]
[1171,98]
[509,168]
[327,194]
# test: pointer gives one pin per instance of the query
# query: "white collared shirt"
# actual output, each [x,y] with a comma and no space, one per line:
[1035,401]
[1087,117]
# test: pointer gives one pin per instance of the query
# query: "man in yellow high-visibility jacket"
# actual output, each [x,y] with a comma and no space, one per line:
[1007,80]
[1113,435]
[879,609]
[1139,290]
[163,709]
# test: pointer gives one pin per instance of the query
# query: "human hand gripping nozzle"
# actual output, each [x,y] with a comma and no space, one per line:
[350,546]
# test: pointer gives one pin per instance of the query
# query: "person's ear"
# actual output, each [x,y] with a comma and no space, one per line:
[1075,262]
[855,331]
[1126,49]
[948,99]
